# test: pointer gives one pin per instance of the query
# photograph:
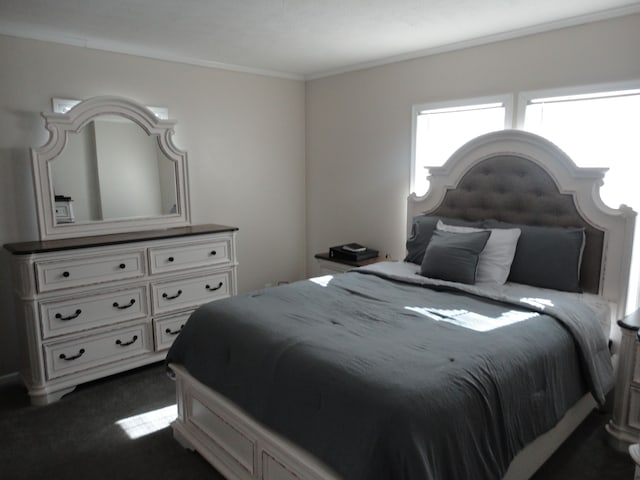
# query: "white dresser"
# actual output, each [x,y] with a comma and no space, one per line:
[88,307]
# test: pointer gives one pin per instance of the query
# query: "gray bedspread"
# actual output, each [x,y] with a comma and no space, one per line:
[385,377]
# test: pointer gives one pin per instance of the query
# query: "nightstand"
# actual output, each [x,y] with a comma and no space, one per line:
[329,265]
[624,426]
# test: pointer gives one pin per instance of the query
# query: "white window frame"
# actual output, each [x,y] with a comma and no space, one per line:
[515,108]
[508,100]
[525,98]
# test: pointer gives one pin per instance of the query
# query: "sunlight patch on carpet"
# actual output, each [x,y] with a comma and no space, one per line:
[148,422]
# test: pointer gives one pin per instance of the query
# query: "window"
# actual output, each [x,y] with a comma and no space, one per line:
[440,129]
[597,127]
[595,130]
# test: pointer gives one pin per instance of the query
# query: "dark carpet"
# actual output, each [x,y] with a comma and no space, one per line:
[79,438]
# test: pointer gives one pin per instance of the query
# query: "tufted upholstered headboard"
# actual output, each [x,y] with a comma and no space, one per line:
[519,177]
[513,189]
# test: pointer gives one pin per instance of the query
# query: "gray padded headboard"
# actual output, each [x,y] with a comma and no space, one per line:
[516,190]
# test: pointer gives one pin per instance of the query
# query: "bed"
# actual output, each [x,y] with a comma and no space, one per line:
[416,369]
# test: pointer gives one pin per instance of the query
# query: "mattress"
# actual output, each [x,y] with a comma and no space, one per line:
[381,373]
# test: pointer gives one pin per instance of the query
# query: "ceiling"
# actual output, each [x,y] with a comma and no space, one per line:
[293,38]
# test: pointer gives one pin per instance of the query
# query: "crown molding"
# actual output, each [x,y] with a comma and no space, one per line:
[116,47]
[631,9]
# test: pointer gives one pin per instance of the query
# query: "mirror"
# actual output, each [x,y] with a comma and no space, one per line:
[111,169]
[109,166]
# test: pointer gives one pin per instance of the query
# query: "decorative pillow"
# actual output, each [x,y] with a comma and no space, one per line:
[547,257]
[453,256]
[422,228]
[496,258]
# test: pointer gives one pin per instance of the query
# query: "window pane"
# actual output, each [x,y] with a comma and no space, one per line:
[596,133]
[599,132]
[441,132]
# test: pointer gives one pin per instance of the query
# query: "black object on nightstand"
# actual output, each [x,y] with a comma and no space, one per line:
[353,252]
[330,264]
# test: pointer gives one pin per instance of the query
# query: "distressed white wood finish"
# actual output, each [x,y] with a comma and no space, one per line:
[198,254]
[242,449]
[583,184]
[94,312]
[235,444]
[190,292]
[328,267]
[60,125]
[84,312]
[63,272]
[165,329]
[97,349]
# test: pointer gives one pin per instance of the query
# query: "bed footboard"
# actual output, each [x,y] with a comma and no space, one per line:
[241,449]
[237,446]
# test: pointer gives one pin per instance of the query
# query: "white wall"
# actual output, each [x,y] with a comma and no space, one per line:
[244,135]
[359,123]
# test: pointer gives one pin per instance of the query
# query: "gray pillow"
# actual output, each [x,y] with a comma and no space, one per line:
[453,256]
[422,229]
[547,257]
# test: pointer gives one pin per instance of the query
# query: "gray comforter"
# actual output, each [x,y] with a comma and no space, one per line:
[384,377]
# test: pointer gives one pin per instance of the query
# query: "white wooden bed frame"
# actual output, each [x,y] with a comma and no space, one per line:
[240,448]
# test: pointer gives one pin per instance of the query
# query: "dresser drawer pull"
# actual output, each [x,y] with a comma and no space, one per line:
[170,259]
[213,289]
[168,331]
[213,252]
[70,317]
[122,266]
[172,297]
[123,307]
[125,344]
[66,274]
[68,359]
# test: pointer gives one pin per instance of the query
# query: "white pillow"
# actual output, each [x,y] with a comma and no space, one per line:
[495,260]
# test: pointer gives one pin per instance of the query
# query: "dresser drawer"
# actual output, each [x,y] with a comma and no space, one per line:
[66,273]
[190,292]
[191,255]
[166,329]
[66,316]
[80,354]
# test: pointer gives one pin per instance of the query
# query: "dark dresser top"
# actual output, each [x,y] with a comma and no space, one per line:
[43,246]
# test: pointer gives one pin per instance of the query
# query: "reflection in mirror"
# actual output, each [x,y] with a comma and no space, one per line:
[111,169]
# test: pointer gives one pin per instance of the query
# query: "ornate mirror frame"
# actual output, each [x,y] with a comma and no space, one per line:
[60,125]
